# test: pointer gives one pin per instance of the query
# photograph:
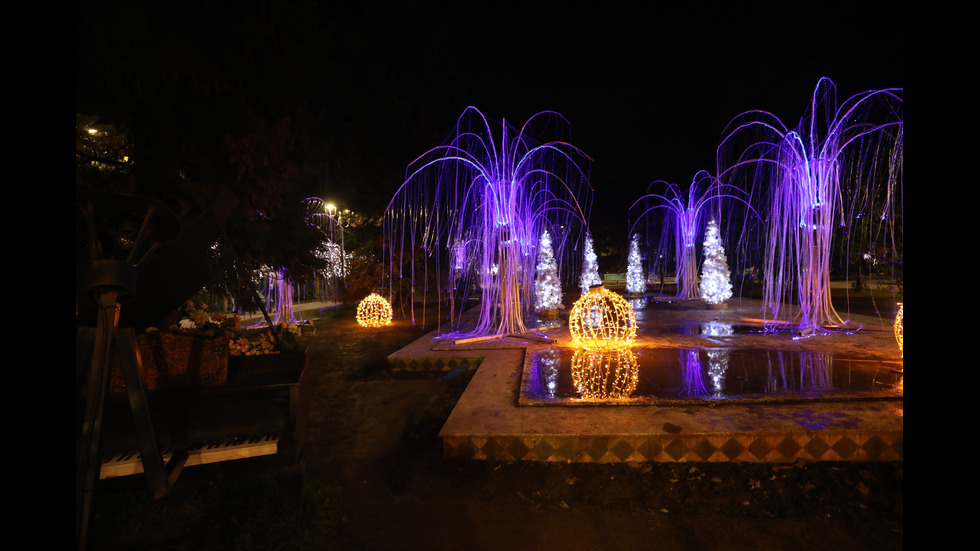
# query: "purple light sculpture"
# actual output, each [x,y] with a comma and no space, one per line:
[279,298]
[472,211]
[681,220]
[820,183]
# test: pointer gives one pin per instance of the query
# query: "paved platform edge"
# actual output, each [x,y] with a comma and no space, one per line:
[489,424]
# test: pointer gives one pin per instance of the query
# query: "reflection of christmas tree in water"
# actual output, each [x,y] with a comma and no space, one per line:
[715,285]
[717,366]
[717,357]
[547,287]
[548,367]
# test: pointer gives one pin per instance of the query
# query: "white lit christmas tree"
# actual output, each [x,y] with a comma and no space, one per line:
[635,281]
[716,286]
[547,287]
[590,267]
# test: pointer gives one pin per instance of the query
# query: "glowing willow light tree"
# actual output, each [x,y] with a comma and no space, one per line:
[474,210]
[680,221]
[824,184]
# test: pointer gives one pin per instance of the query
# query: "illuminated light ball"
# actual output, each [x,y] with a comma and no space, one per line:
[899,329]
[601,374]
[374,311]
[602,319]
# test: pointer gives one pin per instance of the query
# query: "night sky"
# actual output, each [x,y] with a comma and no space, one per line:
[647,90]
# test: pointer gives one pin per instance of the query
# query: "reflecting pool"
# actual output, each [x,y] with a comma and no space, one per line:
[666,376]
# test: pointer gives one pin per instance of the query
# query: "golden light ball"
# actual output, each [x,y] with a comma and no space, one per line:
[374,311]
[602,319]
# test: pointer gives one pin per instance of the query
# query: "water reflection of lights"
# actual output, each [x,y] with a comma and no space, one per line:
[692,373]
[900,330]
[603,374]
[810,371]
[720,374]
[717,366]
[717,329]
[548,362]
[638,305]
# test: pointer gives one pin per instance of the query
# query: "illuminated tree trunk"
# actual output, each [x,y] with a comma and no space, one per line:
[511,308]
[279,299]
[687,260]
[800,239]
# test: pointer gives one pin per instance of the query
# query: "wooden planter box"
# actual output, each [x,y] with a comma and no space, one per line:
[259,368]
[177,361]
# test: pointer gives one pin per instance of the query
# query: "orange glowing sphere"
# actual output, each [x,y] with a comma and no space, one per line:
[602,319]
[374,311]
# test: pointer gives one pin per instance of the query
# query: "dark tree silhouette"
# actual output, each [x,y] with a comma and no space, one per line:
[211,100]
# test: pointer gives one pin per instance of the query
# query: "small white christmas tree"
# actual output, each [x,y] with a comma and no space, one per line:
[636,283]
[547,287]
[716,286]
[590,267]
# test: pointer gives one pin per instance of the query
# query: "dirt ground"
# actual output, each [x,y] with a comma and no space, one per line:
[376,479]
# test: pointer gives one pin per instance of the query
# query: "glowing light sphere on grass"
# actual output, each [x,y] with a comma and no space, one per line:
[610,373]
[602,319]
[374,311]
